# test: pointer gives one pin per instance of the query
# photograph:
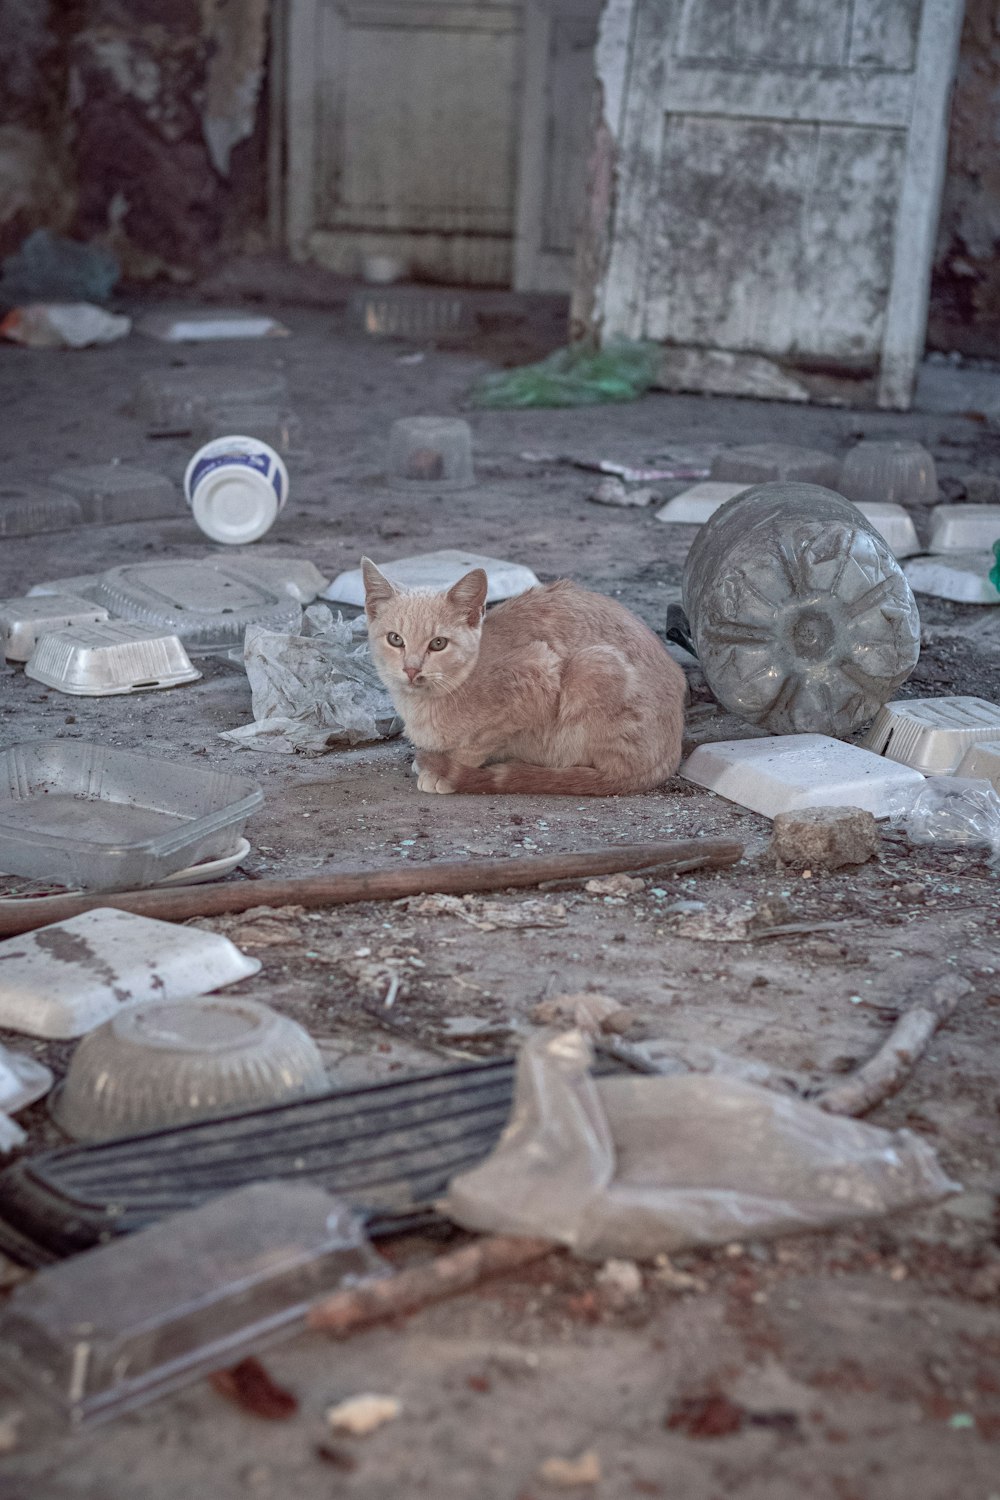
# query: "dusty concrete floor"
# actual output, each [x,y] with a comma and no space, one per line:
[864,1363]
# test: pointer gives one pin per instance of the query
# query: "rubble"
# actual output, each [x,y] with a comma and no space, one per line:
[362,1415]
[825,838]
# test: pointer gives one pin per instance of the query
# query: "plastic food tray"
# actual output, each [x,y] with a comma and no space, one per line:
[411,313]
[437,570]
[964,528]
[168,1062]
[29,508]
[767,463]
[109,1331]
[22,621]
[932,734]
[961,576]
[110,493]
[103,818]
[893,524]
[208,605]
[696,505]
[100,661]
[63,980]
[173,400]
[797,770]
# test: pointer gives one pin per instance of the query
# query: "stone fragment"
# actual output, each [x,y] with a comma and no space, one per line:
[360,1415]
[825,837]
[571,1473]
[613,491]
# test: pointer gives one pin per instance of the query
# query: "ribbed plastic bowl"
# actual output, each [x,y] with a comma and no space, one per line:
[166,1063]
[894,470]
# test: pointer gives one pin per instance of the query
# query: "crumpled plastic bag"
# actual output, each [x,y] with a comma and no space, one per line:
[49,268]
[63,325]
[949,811]
[577,376]
[314,692]
[630,1166]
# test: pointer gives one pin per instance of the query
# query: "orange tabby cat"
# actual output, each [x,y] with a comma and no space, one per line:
[558,690]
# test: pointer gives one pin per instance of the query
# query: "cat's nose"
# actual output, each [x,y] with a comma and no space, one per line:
[412,672]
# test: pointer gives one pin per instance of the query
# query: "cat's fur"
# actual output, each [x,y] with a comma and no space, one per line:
[558,690]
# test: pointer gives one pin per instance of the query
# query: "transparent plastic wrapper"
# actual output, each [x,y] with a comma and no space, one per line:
[577,376]
[950,811]
[118,1326]
[639,1166]
[314,692]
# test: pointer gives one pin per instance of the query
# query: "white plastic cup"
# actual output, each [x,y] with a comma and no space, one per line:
[236,488]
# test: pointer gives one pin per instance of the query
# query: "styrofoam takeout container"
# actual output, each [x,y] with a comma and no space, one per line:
[23,621]
[63,980]
[103,818]
[167,1062]
[964,528]
[436,571]
[893,523]
[697,504]
[788,771]
[109,658]
[981,762]
[236,487]
[932,734]
[961,576]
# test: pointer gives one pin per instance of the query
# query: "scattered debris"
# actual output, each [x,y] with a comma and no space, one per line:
[361,1415]
[621,1281]
[616,885]
[885,1073]
[571,1473]
[63,325]
[590,1011]
[825,838]
[950,811]
[249,1386]
[577,376]
[932,734]
[488,916]
[612,491]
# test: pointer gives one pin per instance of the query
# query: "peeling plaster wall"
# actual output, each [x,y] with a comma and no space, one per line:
[965,294]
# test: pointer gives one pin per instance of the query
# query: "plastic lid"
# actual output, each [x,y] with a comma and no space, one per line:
[235,505]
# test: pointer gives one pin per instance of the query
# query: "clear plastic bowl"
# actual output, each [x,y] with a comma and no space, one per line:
[894,470]
[431,453]
[168,1062]
[763,463]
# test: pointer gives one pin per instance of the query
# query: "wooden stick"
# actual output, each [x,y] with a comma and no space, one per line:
[356,1307]
[884,1074]
[341,887]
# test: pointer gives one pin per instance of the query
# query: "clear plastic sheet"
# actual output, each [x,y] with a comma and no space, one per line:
[314,692]
[949,811]
[638,1166]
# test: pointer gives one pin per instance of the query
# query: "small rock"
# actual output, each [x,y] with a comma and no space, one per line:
[982,489]
[360,1415]
[677,1281]
[825,837]
[615,885]
[571,1473]
[613,491]
[620,1280]
[590,1012]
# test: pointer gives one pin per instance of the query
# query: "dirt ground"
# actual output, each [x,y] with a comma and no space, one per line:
[849,1366]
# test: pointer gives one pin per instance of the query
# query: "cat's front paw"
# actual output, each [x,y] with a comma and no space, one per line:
[431,772]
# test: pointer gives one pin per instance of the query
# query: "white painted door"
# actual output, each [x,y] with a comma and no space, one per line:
[402,134]
[776,169]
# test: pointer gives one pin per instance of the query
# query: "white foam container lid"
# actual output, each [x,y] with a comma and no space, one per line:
[63,980]
[23,621]
[961,576]
[964,528]
[789,771]
[109,658]
[701,501]
[436,571]
[894,524]
[932,734]
[981,762]
[23,1079]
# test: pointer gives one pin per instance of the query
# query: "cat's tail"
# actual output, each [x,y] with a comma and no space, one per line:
[439,772]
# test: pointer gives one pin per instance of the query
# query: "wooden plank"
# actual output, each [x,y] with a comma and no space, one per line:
[919,201]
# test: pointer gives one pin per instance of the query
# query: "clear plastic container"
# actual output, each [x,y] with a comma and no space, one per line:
[431,453]
[173,400]
[894,470]
[411,313]
[763,463]
[932,734]
[273,425]
[114,1328]
[23,621]
[964,528]
[63,980]
[112,493]
[28,509]
[103,818]
[165,1063]
[801,617]
[208,604]
[109,658]
[437,570]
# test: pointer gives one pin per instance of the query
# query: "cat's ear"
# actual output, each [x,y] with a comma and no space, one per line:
[378,589]
[468,595]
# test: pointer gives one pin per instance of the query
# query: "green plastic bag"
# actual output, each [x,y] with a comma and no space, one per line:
[995,570]
[577,376]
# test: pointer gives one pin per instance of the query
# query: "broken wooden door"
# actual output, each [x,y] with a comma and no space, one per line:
[768,179]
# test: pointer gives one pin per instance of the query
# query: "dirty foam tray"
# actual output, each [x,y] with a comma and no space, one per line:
[389,1149]
[23,621]
[932,734]
[101,818]
[788,771]
[961,576]
[109,658]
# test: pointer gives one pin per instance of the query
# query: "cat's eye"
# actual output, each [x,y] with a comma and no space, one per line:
[438,643]
[394,639]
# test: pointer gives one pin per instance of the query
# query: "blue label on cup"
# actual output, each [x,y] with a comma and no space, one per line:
[257,461]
